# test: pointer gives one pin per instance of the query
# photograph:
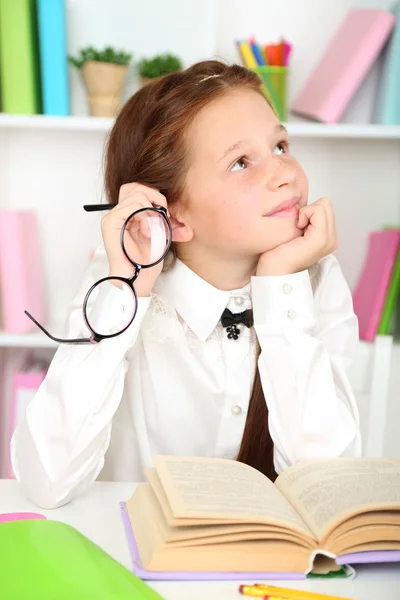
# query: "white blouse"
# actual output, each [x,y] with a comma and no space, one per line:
[173,383]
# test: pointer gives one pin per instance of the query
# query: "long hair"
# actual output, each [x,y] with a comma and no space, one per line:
[148,145]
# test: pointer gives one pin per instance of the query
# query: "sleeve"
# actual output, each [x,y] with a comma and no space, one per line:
[307,342]
[58,449]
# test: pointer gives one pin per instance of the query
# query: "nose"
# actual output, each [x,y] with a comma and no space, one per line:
[280,174]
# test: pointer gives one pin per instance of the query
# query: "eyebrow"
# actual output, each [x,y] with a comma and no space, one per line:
[278,129]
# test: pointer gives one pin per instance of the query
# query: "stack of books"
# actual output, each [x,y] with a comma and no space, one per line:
[364,36]
[33,57]
[376,295]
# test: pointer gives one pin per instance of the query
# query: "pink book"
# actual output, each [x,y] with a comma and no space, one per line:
[344,64]
[21,273]
[370,292]
[24,387]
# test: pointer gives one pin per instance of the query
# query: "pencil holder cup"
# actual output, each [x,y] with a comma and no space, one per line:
[274,86]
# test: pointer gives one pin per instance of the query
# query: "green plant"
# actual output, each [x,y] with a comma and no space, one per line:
[108,55]
[159,65]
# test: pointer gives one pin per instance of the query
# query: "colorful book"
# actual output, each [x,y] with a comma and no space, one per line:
[49,560]
[53,56]
[371,290]
[212,518]
[21,271]
[19,60]
[24,385]
[388,105]
[344,64]
[391,301]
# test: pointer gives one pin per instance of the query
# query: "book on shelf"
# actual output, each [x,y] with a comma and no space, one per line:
[19,59]
[24,385]
[387,108]
[21,271]
[344,64]
[389,324]
[53,56]
[376,291]
[208,518]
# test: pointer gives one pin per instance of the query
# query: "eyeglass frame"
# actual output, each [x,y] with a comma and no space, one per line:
[96,337]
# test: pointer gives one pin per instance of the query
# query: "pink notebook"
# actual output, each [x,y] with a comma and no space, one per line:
[21,273]
[370,292]
[344,64]
[24,388]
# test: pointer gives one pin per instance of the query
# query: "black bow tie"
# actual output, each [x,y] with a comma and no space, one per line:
[231,320]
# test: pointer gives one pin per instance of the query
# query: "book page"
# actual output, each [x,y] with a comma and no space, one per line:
[326,492]
[223,489]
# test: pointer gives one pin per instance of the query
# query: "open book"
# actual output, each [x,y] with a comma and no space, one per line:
[218,515]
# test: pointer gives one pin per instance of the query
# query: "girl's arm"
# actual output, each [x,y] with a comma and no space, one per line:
[58,449]
[307,342]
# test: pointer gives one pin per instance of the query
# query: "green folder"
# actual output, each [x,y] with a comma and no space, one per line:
[391,299]
[49,560]
[19,58]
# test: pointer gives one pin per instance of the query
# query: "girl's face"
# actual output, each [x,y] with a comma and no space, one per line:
[240,172]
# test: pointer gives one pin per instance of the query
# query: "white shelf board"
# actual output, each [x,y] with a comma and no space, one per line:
[26,340]
[301,129]
[101,124]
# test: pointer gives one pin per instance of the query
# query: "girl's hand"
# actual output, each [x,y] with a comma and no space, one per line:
[132,197]
[318,240]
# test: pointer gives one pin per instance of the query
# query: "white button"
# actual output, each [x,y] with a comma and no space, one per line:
[239,300]
[236,410]
[286,288]
[291,314]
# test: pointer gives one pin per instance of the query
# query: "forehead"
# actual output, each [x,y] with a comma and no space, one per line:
[237,115]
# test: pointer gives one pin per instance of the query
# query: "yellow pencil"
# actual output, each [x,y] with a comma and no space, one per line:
[260,590]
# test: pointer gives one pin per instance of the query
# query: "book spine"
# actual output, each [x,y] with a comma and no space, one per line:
[19,75]
[24,386]
[388,105]
[390,300]
[53,56]
[357,68]
[21,280]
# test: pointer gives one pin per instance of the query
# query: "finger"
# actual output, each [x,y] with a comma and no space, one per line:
[331,223]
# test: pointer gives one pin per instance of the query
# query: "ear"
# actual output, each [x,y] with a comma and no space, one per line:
[181,232]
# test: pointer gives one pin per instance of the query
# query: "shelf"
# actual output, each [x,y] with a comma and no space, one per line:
[101,124]
[300,129]
[26,340]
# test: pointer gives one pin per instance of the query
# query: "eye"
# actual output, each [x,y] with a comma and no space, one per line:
[240,164]
[281,147]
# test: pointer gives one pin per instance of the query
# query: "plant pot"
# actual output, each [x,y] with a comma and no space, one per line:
[104,84]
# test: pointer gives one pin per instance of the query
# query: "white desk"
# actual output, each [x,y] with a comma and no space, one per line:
[96,514]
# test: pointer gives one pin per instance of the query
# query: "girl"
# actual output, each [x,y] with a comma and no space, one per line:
[205,145]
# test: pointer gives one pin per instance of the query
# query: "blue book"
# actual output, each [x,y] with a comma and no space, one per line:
[388,105]
[53,56]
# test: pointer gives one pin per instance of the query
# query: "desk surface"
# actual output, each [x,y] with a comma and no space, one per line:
[96,514]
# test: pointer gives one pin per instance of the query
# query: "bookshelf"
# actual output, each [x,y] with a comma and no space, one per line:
[26,340]
[297,129]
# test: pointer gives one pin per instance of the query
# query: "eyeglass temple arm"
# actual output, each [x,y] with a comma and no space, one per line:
[108,206]
[96,207]
[55,339]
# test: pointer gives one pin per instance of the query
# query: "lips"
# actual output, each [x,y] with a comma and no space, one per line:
[287,208]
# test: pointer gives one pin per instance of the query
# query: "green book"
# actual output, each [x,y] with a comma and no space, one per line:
[391,300]
[48,560]
[19,58]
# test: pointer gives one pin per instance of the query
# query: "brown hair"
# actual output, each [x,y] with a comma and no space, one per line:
[148,145]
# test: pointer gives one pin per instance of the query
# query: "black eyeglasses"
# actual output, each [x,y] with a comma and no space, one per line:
[146,238]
